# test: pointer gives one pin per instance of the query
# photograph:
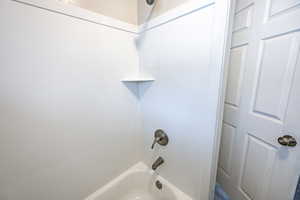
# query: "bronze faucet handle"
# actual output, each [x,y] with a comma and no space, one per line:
[160,137]
[154,142]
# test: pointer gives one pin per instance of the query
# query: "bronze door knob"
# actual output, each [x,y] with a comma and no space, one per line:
[287,140]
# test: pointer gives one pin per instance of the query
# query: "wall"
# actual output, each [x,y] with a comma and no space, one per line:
[160,7]
[60,100]
[119,9]
[181,100]
[130,11]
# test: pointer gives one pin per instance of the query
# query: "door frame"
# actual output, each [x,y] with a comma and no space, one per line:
[220,53]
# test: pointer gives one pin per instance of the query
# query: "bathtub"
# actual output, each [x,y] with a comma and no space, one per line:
[138,183]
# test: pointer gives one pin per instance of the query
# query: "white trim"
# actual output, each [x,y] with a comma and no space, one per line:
[96,18]
[175,13]
[80,13]
[222,30]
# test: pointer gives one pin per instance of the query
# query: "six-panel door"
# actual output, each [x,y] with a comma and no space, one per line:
[262,102]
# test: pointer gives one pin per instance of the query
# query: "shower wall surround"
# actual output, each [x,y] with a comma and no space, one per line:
[177,54]
[69,125]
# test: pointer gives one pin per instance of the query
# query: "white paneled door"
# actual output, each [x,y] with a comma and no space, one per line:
[262,102]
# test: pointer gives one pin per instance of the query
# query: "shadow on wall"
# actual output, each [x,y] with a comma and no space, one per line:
[144,26]
[138,90]
[133,87]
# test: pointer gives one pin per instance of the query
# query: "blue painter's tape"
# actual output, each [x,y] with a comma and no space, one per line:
[220,193]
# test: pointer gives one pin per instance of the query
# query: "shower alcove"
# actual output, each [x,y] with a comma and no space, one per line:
[71,127]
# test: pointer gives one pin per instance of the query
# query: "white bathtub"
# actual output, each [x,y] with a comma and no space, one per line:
[138,183]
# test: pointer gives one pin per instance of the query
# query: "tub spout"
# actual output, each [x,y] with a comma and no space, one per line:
[159,161]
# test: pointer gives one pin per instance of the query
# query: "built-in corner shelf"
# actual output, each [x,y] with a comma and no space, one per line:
[138,79]
[132,82]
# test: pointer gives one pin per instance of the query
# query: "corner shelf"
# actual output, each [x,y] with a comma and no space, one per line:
[134,81]
[138,79]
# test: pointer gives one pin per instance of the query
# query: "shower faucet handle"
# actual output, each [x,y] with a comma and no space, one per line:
[154,142]
[160,137]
